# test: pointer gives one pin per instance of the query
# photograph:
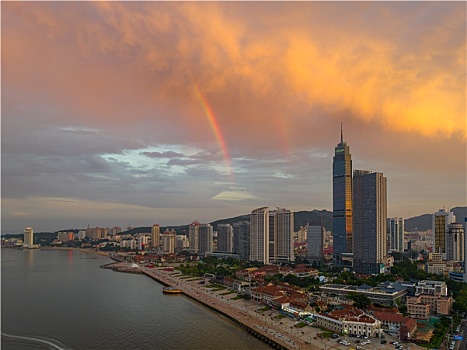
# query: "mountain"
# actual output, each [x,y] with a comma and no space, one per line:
[423,222]
[301,218]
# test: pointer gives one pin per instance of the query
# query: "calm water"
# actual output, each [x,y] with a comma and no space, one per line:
[64,299]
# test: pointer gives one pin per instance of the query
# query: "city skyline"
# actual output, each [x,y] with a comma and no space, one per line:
[165,113]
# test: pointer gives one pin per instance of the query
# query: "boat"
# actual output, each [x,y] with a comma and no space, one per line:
[171,290]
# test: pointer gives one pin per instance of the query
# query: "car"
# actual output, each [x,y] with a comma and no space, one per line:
[383,341]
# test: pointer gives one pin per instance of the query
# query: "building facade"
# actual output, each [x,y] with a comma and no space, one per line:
[455,249]
[205,239]
[225,238]
[395,227]
[440,221]
[369,222]
[315,243]
[259,238]
[342,201]
[169,239]
[28,240]
[155,236]
[241,239]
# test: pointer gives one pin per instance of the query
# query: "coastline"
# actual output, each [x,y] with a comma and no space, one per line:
[241,312]
[83,250]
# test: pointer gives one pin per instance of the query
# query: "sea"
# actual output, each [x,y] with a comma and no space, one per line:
[59,299]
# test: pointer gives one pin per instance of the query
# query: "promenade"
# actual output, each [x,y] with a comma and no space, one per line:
[246,312]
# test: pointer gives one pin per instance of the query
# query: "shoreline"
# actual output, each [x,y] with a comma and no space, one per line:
[82,250]
[274,333]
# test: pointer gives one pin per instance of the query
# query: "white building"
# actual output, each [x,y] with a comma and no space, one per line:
[271,235]
[168,242]
[28,241]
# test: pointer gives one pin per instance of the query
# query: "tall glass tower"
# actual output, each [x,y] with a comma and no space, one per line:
[342,201]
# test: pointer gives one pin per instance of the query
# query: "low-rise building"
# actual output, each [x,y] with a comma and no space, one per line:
[350,321]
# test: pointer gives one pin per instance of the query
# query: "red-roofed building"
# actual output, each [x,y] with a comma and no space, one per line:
[350,320]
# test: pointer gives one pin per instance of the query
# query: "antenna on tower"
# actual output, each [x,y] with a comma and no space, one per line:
[342,135]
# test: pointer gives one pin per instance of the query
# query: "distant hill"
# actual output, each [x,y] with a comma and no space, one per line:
[423,222]
[301,218]
[418,223]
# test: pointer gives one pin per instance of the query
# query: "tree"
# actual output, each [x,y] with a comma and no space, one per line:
[361,301]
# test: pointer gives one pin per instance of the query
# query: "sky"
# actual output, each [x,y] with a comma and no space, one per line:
[141,113]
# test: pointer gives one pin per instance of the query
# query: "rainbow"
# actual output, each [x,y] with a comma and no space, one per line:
[214,123]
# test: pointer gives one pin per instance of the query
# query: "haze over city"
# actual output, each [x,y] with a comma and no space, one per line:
[117,113]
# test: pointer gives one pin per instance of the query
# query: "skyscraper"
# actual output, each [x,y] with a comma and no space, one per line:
[271,235]
[281,222]
[455,242]
[193,236]
[315,242]
[168,242]
[241,239]
[369,221]
[28,240]
[225,238]
[259,224]
[440,221]
[205,241]
[395,228]
[155,236]
[342,201]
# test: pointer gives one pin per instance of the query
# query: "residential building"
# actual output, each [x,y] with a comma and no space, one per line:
[205,239]
[225,238]
[155,236]
[259,235]
[281,248]
[271,235]
[241,239]
[142,242]
[65,236]
[369,222]
[342,201]
[315,242]
[430,298]
[168,242]
[395,227]
[193,237]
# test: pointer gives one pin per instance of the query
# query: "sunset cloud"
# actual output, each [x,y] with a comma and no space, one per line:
[104,97]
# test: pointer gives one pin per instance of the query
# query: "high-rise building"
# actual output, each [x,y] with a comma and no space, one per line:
[142,242]
[315,243]
[395,228]
[193,236]
[342,201]
[155,236]
[281,222]
[168,242]
[205,239]
[241,239]
[369,221]
[440,221]
[455,242]
[28,240]
[259,238]
[271,235]
[225,238]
